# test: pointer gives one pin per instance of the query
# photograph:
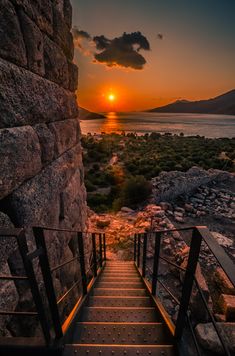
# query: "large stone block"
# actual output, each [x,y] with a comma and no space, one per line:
[68,13]
[40,11]
[47,142]
[34,44]
[11,40]
[26,98]
[62,35]
[20,157]
[73,76]
[37,200]
[65,133]
[55,63]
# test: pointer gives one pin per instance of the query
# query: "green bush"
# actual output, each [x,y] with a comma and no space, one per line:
[135,191]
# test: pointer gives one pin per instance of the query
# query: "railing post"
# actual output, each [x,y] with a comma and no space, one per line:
[138,250]
[23,248]
[188,282]
[101,254]
[82,262]
[47,278]
[104,244]
[94,254]
[156,262]
[144,255]
[134,247]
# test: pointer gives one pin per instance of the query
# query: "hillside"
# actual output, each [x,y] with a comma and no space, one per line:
[222,104]
[88,115]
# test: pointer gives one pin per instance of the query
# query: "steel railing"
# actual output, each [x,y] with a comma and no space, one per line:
[98,253]
[199,234]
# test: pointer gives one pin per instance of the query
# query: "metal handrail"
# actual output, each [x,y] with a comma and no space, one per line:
[41,253]
[200,233]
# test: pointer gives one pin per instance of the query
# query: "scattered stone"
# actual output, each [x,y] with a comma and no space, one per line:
[222,240]
[126,210]
[209,340]
[227,305]
[223,282]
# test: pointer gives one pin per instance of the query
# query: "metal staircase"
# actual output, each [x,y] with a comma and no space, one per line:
[120,318]
[119,310]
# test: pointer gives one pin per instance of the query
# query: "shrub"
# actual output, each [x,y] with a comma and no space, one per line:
[135,191]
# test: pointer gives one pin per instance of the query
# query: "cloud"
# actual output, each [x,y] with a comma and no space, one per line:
[121,51]
[82,41]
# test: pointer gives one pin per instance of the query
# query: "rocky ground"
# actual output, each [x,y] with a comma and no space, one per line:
[211,204]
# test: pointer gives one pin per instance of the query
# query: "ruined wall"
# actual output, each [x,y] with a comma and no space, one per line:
[41,170]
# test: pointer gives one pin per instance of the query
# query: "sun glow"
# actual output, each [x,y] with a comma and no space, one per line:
[111,97]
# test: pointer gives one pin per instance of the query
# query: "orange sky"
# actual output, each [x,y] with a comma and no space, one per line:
[195,60]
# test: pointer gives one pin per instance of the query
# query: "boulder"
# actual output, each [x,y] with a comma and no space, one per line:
[12,44]
[223,282]
[209,340]
[26,98]
[227,305]
[20,157]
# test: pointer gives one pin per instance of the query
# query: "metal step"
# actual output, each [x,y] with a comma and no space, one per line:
[119,292]
[117,350]
[120,274]
[121,334]
[118,285]
[102,301]
[122,314]
[120,270]
[119,279]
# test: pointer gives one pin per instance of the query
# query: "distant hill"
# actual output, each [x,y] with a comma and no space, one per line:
[223,104]
[88,115]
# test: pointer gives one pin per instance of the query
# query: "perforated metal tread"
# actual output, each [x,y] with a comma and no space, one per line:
[118,285]
[121,334]
[120,279]
[117,350]
[119,292]
[115,301]
[122,314]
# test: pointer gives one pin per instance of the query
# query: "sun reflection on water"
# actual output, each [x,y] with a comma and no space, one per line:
[110,123]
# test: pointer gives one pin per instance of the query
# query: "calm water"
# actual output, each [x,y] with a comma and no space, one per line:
[190,124]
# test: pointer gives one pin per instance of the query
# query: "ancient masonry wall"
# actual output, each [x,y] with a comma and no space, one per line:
[41,170]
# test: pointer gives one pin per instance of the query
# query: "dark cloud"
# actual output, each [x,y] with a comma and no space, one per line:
[122,51]
[80,34]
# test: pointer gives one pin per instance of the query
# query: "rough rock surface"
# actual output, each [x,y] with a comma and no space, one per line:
[209,340]
[41,171]
[20,157]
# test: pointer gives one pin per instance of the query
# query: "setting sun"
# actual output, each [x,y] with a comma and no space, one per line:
[111,97]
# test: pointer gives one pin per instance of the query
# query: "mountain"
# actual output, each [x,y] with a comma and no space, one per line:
[222,104]
[84,114]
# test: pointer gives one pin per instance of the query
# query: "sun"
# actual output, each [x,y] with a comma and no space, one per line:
[111,97]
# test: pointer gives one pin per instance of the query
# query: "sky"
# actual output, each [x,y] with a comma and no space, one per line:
[172,49]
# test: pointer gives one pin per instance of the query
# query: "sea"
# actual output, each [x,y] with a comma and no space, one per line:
[211,126]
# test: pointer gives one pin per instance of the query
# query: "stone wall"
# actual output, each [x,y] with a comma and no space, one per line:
[170,185]
[41,170]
